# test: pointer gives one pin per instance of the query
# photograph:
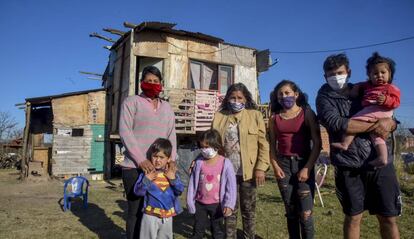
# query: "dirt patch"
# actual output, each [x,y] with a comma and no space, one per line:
[33,210]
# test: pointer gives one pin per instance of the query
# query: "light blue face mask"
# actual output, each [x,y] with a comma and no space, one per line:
[237,106]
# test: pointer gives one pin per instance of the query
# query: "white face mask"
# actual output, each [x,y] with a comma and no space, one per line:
[208,153]
[337,82]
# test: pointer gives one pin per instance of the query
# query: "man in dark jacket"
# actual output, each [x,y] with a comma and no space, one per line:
[359,186]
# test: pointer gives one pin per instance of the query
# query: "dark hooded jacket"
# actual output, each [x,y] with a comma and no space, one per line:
[334,111]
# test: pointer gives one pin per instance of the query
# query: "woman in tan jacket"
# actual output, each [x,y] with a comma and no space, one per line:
[244,138]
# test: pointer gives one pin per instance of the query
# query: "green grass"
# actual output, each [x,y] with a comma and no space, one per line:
[328,219]
[31,210]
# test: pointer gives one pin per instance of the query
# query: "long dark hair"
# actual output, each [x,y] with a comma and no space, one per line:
[213,139]
[301,101]
[250,104]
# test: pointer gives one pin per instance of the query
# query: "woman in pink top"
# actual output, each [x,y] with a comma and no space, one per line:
[143,119]
[295,144]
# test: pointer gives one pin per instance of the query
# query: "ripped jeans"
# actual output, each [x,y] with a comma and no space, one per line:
[297,197]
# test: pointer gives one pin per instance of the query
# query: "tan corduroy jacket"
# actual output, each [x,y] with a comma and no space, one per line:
[254,146]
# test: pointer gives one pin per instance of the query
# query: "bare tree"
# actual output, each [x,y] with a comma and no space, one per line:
[7,124]
[15,133]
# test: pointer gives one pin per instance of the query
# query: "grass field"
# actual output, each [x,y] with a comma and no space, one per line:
[32,210]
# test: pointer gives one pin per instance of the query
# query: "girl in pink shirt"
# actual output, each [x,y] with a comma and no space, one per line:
[211,193]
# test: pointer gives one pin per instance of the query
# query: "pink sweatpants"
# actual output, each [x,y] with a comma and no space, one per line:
[373,112]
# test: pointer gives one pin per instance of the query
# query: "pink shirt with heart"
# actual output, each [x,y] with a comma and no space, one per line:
[208,191]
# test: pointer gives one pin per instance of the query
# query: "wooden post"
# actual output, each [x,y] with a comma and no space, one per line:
[132,64]
[114,31]
[394,145]
[90,73]
[94,34]
[24,161]
[130,25]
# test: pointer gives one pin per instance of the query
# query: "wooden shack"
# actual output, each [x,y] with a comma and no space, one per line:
[197,70]
[64,134]
[13,146]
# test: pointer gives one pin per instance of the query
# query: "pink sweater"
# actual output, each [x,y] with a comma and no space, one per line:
[140,125]
[208,191]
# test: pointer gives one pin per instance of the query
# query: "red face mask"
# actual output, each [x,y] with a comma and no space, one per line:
[151,90]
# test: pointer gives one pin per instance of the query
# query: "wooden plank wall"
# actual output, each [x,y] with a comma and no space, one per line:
[79,109]
[72,110]
[43,155]
[182,103]
[203,50]
[245,75]
[206,105]
[71,155]
[116,88]
[194,109]
[96,107]
[123,80]
[178,75]
[150,44]
[178,50]
[132,66]
[125,77]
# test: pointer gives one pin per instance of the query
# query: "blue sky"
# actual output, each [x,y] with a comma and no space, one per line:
[45,43]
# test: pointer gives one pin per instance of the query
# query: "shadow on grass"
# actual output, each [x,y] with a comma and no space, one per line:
[95,219]
[183,224]
[123,205]
[114,187]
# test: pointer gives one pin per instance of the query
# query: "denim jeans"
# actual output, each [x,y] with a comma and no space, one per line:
[297,197]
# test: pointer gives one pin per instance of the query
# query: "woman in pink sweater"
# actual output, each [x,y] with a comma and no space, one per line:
[143,119]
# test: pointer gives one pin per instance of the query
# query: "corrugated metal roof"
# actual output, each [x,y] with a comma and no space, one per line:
[169,28]
[45,99]
[155,25]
